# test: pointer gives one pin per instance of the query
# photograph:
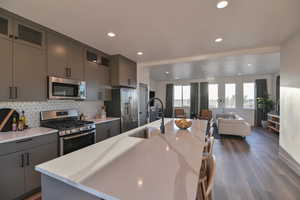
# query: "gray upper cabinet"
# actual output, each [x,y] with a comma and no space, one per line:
[123,71]
[23,59]
[65,57]
[12,176]
[97,76]
[76,60]
[6,59]
[29,73]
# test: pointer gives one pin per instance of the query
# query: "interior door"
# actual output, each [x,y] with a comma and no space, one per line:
[12,176]
[34,157]
[143,100]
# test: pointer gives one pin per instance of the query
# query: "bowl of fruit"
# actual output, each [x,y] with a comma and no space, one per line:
[183,123]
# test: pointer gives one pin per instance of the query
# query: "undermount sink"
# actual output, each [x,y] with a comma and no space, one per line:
[146,133]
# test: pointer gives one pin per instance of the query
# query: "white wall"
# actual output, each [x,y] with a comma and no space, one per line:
[290,97]
[247,114]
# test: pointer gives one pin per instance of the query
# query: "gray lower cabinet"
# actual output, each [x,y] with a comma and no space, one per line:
[12,176]
[107,130]
[17,173]
[34,157]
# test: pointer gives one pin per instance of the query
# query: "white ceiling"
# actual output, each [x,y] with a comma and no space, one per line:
[165,29]
[219,67]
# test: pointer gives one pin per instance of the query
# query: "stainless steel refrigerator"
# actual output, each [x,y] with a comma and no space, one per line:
[124,104]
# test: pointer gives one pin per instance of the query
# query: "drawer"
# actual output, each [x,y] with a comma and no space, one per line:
[28,143]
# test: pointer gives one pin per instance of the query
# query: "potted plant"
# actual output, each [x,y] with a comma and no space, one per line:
[266,105]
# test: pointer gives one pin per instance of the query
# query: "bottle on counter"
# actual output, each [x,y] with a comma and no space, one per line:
[14,124]
[103,113]
[22,122]
[24,119]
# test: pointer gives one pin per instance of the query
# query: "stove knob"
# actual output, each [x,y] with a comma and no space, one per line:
[82,128]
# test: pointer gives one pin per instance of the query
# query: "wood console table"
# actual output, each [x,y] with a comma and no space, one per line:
[274,122]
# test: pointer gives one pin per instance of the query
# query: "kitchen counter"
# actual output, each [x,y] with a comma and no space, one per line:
[164,167]
[27,133]
[100,120]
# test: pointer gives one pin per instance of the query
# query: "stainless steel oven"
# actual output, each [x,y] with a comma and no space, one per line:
[60,88]
[68,144]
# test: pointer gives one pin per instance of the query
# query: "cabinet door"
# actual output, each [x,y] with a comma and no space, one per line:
[104,75]
[6,69]
[92,77]
[57,55]
[35,157]
[102,132]
[5,26]
[115,128]
[29,34]
[76,60]
[30,78]
[124,71]
[12,176]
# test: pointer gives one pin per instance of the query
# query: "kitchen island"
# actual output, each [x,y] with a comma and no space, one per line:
[145,167]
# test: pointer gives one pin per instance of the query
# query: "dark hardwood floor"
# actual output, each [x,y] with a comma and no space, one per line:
[250,169]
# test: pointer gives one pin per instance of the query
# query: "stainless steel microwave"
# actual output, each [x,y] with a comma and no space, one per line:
[60,88]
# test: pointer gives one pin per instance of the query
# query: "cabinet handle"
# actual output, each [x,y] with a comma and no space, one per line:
[22,141]
[129,81]
[27,159]
[66,69]
[70,72]
[16,37]
[22,160]
[16,92]
[10,92]
[11,36]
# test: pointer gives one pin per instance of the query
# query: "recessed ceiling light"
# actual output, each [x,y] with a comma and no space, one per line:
[176,77]
[140,53]
[239,74]
[111,34]
[249,65]
[222,4]
[167,72]
[219,40]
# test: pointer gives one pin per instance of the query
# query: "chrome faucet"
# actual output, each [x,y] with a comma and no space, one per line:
[162,126]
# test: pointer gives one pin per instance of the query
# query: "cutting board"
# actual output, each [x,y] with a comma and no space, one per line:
[4,112]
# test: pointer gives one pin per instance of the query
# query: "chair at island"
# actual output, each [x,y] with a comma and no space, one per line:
[205,114]
[206,183]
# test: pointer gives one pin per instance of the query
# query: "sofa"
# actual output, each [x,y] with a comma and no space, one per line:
[232,124]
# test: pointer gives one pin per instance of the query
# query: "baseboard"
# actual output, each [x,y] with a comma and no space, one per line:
[289,160]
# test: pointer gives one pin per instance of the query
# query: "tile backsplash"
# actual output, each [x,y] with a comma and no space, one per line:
[33,109]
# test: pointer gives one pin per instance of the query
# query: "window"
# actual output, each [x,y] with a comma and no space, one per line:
[182,95]
[213,95]
[230,95]
[249,90]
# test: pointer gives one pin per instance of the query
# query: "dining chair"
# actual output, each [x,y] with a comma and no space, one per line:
[179,113]
[205,114]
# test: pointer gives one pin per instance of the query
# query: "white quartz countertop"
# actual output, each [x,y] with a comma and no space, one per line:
[28,133]
[101,120]
[163,167]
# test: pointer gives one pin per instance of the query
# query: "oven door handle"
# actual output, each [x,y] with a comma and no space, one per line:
[79,135]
